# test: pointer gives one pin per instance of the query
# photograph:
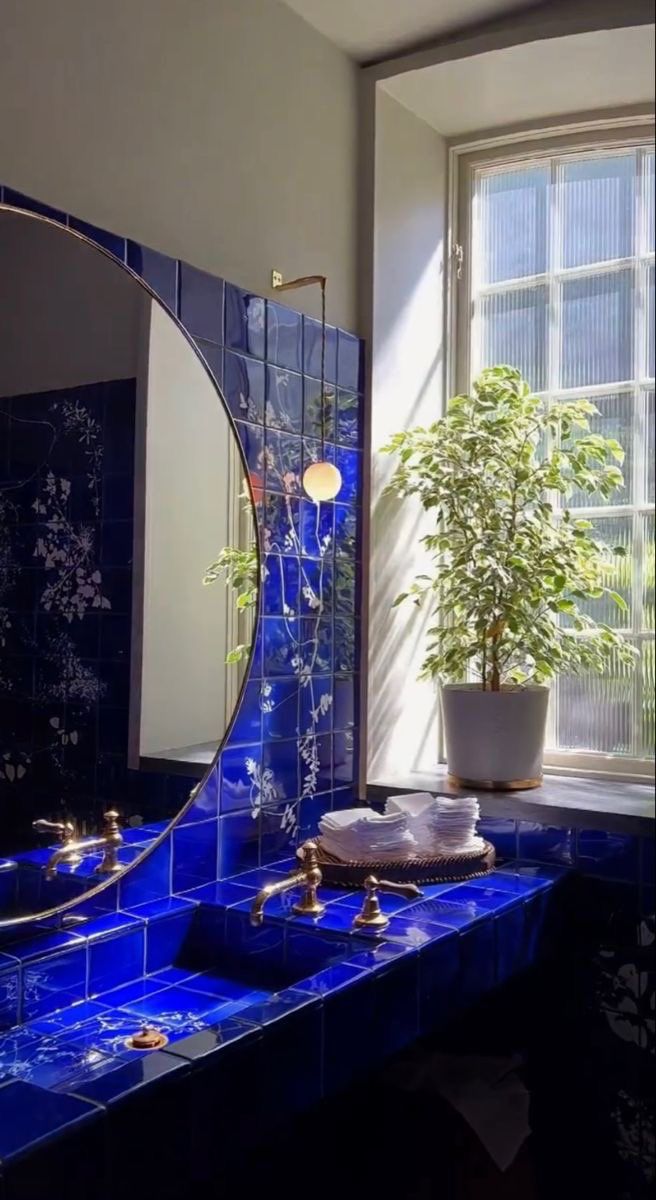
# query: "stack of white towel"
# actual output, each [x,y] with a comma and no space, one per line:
[413,826]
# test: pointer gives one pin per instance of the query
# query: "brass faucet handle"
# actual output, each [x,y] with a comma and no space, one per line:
[371,916]
[65,829]
[112,827]
[309,904]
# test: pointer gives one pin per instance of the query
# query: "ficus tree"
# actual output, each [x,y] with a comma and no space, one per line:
[509,570]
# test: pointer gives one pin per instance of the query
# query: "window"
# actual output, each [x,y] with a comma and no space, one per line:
[561,285]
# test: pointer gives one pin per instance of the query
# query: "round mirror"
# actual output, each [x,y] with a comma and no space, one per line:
[128,566]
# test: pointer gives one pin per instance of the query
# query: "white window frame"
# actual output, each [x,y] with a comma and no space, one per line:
[507,150]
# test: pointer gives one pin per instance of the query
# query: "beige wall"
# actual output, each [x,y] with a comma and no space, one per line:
[407,389]
[219,131]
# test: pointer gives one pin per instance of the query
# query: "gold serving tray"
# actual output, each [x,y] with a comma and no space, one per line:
[443,868]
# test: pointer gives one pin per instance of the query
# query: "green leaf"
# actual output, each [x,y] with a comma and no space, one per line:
[619,600]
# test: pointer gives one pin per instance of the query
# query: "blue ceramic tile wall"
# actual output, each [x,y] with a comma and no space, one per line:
[299,708]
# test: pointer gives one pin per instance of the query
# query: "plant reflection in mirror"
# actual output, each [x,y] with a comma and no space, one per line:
[511,576]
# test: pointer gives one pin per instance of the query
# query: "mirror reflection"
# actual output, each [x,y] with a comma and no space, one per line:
[126,550]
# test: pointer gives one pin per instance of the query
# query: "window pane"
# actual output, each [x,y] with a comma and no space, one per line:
[597,209]
[650,214]
[614,531]
[514,331]
[594,711]
[597,330]
[648,693]
[648,568]
[615,420]
[651,446]
[512,224]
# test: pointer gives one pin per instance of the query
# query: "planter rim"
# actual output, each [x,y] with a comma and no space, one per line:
[510,689]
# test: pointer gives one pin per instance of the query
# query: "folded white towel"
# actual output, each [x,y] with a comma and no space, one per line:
[440,824]
[361,834]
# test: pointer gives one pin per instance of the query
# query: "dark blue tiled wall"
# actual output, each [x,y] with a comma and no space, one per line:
[292,752]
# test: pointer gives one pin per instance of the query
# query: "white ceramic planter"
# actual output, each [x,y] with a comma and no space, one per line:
[494,739]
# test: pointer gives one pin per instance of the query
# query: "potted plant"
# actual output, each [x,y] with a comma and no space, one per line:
[510,574]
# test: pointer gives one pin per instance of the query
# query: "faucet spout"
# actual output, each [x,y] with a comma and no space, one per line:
[72,851]
[309,876]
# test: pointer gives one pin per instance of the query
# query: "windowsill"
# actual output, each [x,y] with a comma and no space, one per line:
[606,804]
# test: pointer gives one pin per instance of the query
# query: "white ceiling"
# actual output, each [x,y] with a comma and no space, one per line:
[370,29]
[606,69]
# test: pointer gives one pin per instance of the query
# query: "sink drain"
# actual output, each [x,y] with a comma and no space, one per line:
[147,1039]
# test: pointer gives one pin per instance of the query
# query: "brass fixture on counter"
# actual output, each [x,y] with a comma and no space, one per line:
[308,875]
[371,915]
[147,1039]
[72,851]
[65,830]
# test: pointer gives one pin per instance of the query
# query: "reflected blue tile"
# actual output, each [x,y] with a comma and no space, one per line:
[279,709]
[350,366]
[213,356]
[546,843]
[317,528]
[248,723]
[252,442]
[109,241]
[243,387]
[350,465]
[349,419]
[316,704]
[239,843]
[150,880]
[281,524]
[201,303]
[240,770]
[20,200]
[312,339]
[280,637]
[284,466]
[345,532]
[284,400]
[54,982]
[195,858]
[281,585]
[284,337]
[158,270]
[318,416]
[609,855]
[245,321]
[205,802]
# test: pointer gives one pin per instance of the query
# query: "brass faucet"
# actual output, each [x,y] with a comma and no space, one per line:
[72,850]
[371,915]
[65,830]
[309,875]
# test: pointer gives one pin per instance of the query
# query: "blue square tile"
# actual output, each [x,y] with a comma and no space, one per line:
[439,967]
[245,321]
[345,645]
[54,982]
[117,959]
[243,387]
[510,943]
[109,241]
[349,464]
[477,963]
[29,1115]
[317,586]
[251,438]
[546,843]
[316,528]
[312,809]
[344,702]
[502,833]
[150,880]
[281,585]
[281,524]
[316,649]
[201,303]
[204,804]
[312,350]
[350,366]
[318,417]
[284,400]
[68,1019]
[278,827]
[609,855]
[396,1005]
[131,993]
[195,854]
[240,771]
[346,528]
[284,337]
[213,357]
[316,704]
[20,200]
[9,995]
[284,462]
[280,771]
[280,639]
[349,432]
[344,588]
[157,270]
[165,938]
[279,700]
[247,727]
[239,843]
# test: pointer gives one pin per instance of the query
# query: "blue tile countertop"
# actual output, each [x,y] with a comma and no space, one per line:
[304,1006]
